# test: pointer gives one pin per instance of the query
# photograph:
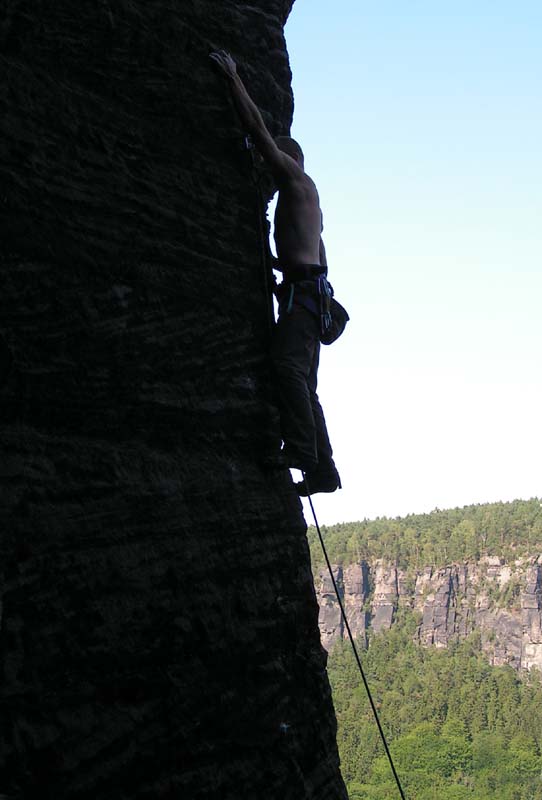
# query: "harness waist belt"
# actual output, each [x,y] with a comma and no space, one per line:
[302,272]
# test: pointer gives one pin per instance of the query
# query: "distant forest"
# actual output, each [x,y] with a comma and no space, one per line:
[508,530]
[458,728]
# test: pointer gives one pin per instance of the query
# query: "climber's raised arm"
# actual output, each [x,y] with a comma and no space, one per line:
[281,164]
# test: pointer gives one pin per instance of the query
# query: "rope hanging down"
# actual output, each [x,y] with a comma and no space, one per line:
[358,660]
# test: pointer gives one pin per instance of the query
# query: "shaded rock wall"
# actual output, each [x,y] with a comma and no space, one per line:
[159,632]
[502,601]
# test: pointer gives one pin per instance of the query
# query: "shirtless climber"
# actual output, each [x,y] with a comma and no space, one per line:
[295,348]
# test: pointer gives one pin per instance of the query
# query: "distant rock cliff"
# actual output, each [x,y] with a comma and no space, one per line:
[159,633]
[501,601]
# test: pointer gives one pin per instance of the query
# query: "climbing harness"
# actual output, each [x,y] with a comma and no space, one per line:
[354,648]
[309,285]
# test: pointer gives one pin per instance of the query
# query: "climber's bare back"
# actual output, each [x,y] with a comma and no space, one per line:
[298,220]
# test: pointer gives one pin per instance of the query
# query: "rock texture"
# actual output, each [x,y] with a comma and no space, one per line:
[159,632]
[502,601]
[353,585]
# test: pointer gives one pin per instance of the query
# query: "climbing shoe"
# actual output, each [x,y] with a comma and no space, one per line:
[319,480]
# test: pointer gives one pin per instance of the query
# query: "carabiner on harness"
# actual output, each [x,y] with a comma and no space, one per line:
[325,290]
[290,299]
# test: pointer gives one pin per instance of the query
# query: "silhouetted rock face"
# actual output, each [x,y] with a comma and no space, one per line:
[159,632]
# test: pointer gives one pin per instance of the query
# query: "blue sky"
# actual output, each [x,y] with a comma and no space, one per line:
[421,124]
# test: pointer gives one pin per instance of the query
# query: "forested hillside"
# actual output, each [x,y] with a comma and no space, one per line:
[509,530]
[458,728]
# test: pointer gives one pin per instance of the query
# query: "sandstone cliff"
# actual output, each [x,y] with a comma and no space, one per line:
[159,632]
[503,601]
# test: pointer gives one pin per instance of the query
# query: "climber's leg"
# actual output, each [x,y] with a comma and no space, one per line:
[294,349]
[324,477]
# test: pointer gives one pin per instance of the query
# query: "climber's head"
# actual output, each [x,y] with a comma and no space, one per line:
[291,148]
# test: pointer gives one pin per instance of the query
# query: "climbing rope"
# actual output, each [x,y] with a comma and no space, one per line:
[266,271]
[354,648]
